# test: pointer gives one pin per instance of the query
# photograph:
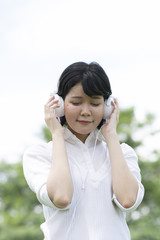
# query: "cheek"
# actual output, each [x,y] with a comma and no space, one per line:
[69,111]
[99,113]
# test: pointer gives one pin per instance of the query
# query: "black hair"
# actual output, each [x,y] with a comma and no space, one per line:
[93,78]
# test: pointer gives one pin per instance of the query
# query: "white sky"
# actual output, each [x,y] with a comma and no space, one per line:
[38,39]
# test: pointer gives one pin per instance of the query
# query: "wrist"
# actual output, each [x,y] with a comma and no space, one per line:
[111,136]
[57,134]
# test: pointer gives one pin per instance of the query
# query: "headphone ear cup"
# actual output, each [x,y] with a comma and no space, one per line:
[108,107]
[59,111]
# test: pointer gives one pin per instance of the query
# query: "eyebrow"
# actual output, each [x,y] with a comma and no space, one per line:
[76,97]
[79,97]
[97,97]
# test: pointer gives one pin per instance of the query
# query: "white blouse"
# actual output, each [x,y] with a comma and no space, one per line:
[94,213]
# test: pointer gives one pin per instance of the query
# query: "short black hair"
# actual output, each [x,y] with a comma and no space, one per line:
[93,78]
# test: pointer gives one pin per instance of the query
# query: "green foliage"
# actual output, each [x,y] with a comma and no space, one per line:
[21,214]
[146,226]
[46,134]
[128,126]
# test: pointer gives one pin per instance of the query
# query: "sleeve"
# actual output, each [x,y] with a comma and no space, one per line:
[132,162]
[36,167]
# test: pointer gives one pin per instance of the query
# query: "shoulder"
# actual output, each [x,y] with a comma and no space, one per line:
[128,150]
[130,156]
[36,164]
[40,147]
[131,159]
[41,151]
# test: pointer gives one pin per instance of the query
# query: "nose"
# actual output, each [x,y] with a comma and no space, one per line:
[85,111]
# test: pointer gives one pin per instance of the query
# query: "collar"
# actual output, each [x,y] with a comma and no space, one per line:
[93,136]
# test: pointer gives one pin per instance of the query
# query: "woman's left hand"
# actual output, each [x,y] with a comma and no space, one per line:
[124,184]
[111,125]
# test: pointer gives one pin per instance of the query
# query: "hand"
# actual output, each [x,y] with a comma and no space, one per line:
[50,116]
[111,126]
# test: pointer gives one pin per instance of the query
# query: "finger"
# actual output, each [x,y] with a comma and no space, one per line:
[50,99]
[116,104]
[116,110]
[52,102]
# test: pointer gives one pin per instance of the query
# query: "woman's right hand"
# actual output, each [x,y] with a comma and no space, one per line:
[59,182]
[50,116]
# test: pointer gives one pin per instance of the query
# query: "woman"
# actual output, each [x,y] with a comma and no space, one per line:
[84,178]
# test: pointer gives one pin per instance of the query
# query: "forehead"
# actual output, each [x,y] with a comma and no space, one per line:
[77,89]
[77,92]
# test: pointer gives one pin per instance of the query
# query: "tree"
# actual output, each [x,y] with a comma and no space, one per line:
[20,212]
[144,223]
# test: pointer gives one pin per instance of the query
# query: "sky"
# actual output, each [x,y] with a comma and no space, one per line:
[39,39]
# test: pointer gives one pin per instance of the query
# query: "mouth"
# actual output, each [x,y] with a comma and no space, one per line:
[84,122]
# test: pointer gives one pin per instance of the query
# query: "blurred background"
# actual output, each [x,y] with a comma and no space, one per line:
[38,40]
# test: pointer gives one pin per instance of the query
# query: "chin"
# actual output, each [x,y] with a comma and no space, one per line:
[84,132]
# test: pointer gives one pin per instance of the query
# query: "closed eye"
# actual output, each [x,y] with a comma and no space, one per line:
[79,103]
[76,103]
[95,104]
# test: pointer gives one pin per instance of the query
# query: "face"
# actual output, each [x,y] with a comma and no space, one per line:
[83,113]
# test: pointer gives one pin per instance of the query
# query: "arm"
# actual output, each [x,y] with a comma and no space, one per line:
[59,182]
[125,185]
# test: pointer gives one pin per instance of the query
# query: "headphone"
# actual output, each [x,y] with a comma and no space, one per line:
[108,107]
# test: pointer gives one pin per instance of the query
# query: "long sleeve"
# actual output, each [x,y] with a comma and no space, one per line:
[36,167]
[132,162]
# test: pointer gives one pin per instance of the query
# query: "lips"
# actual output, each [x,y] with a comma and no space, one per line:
[84,122]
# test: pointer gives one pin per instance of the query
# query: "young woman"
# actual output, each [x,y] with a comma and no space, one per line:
[84,178]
